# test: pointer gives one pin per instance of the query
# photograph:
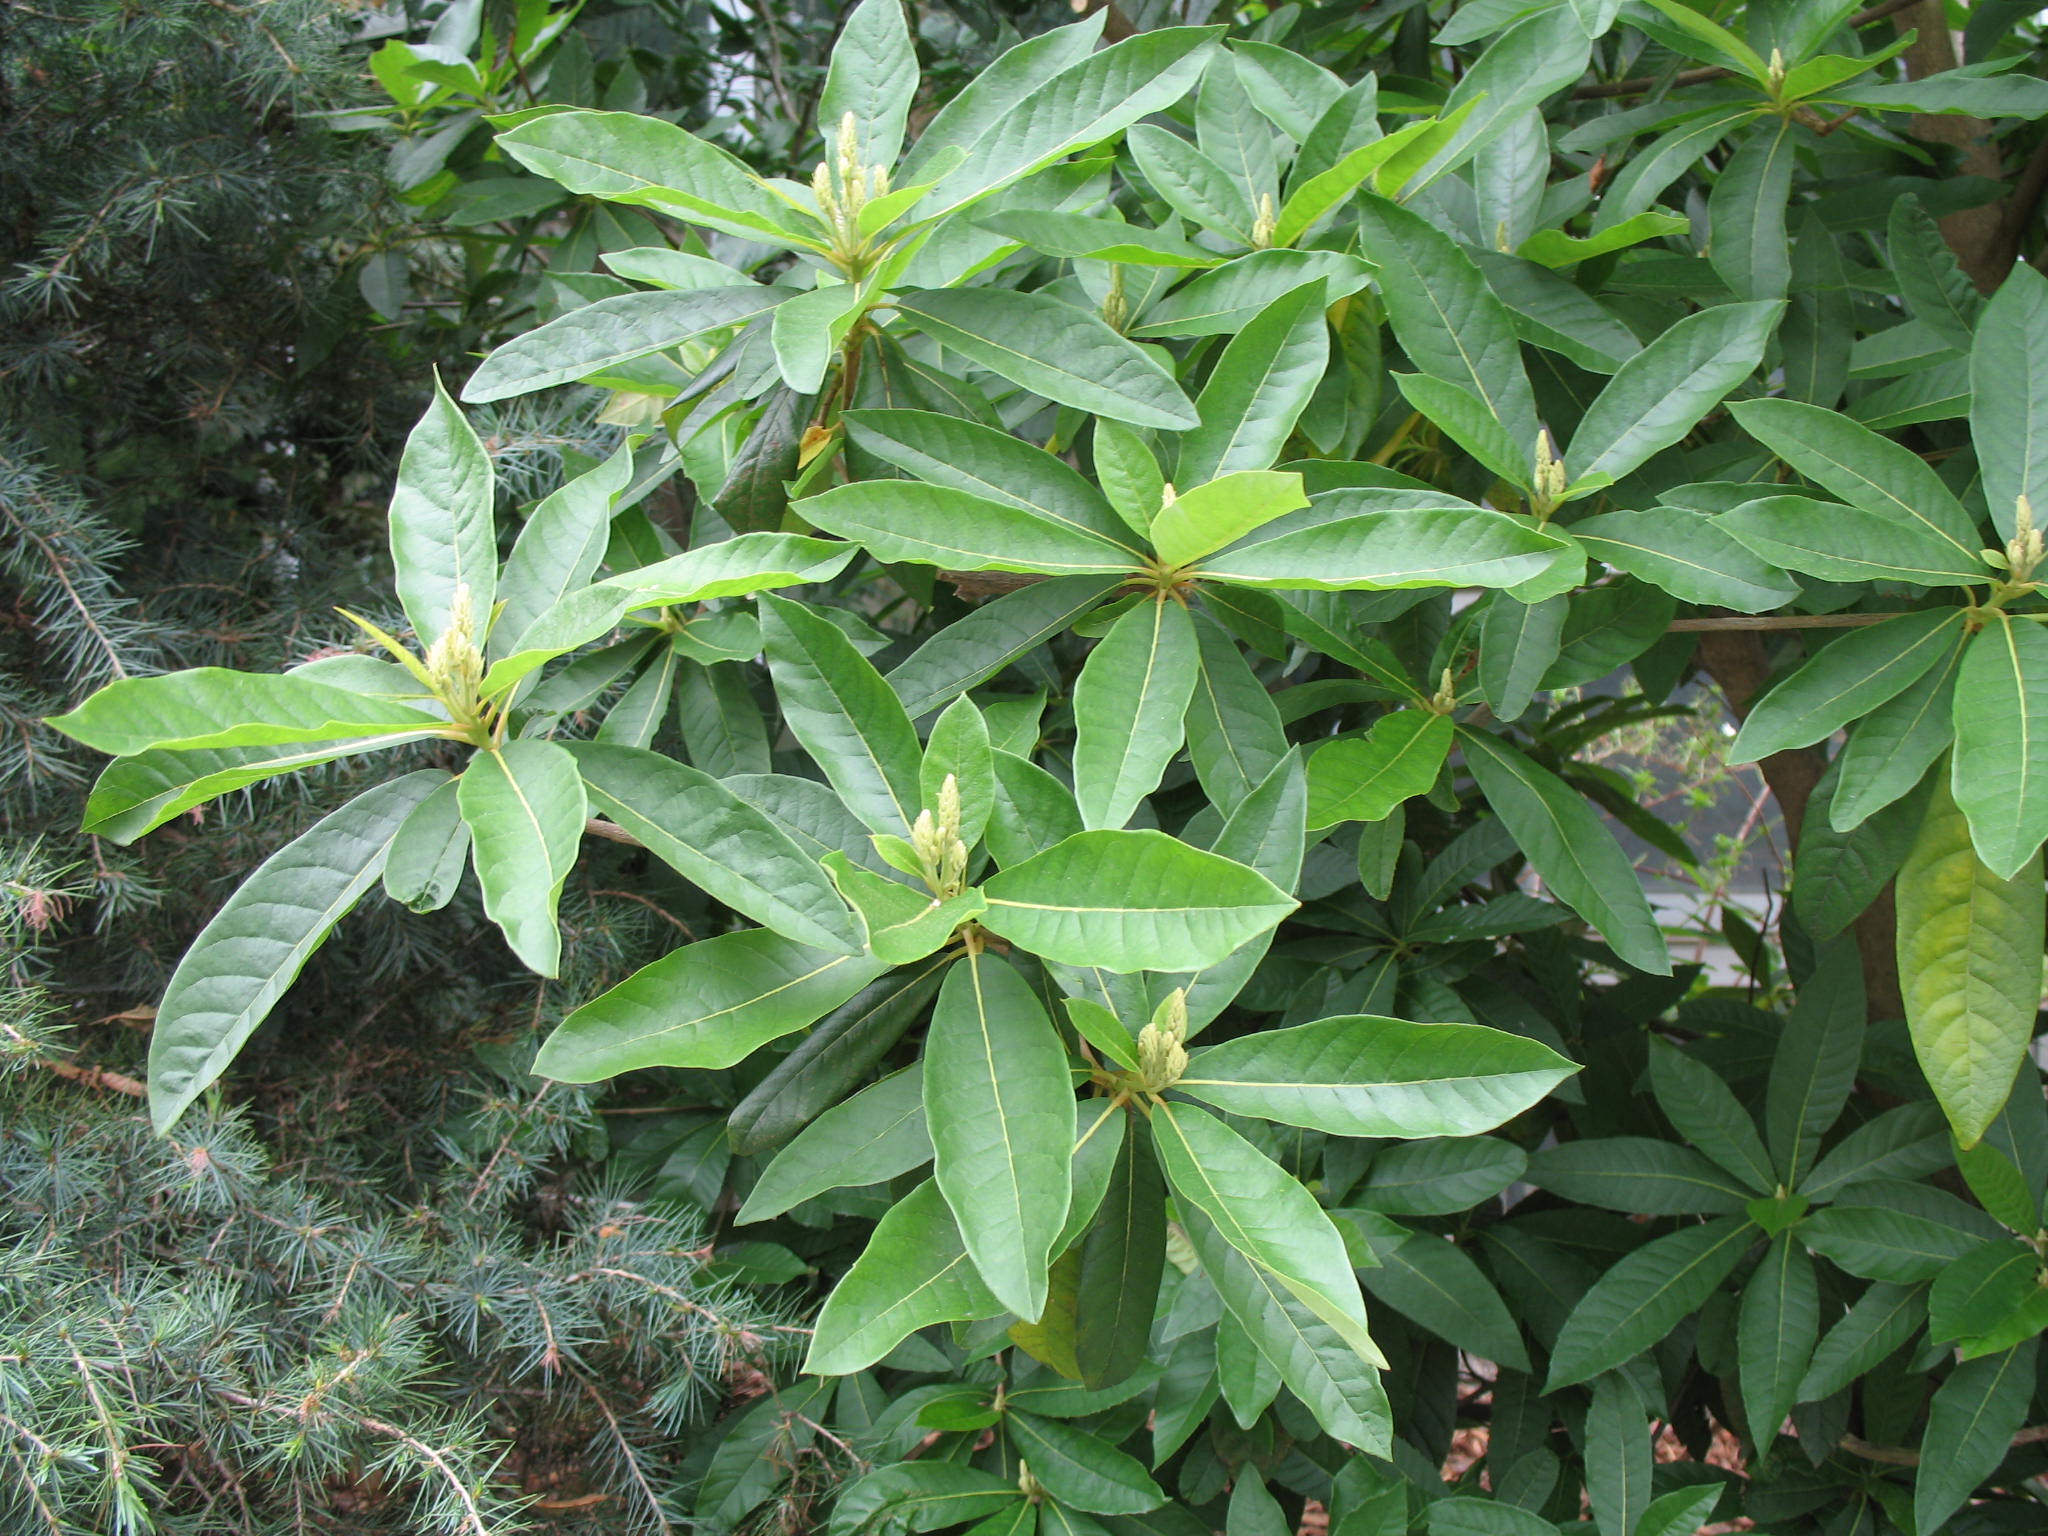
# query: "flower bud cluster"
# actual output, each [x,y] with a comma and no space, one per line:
[1550,477]
[1162,1044]
[454,663]
[2023,551]
[843,195]
[936,841]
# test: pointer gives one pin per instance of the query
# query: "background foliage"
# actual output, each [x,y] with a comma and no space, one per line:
[244,237]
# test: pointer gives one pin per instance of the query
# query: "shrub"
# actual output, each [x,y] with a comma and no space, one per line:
[1321,482]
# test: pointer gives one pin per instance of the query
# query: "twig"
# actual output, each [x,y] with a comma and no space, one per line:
[656,908]
[611,832]
[1643,83]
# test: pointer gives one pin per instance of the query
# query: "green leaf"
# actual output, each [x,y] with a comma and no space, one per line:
[1969,965]
[908,521]
[1973,1417]
[1660,394]
[1068,355]
[1223,301]
[847,718]
[1858,465]
[1571,848]
[874,1136]
[255,946]
[904,923]
[1448,321]
[958,748]
[1256,393]
[1232,131]
[914,1272]
[559,548]
[1618,1457]
[1078,1468]
[1641,1299]
[967,456]
[1222,511]
[1838,543]
[637,158]
[1319,1364]
[717,841]
[1666,158]
[1019,117]
[1695,558]
[1078,237]
[1814,1067]
[1907,1142]
[1000,1108]
[973,648]
[1130,707]
[1702,1108]
[721,722]
[212,707]
[1131,901]
[1639,1177]
[2009,396]
[1538,56]
[1552,312]
[1390,163]
[1846,679]
[706,1005]
[1906,1233]
[1190,183]
[1358,1075]
[1123,1254]
[443,532]
[1839,874]
[1033,811]
[832,1058]
[1981,1290]
[525,806]
[1883,1318]
[1930,278]
[1440,546]
[1130,475]
[736,567]
[1719,44]
[2000,773]
[1265,1214]
[136,795]
[806,330]
[873,78]
[1776,1330]
[1466,419]
[1235,738]
[1431,1283]
[598,336]
[1746,211]
[1098,1025]
[1440,1175]
[1518,643]
[429,853]
[1555,248]
[1891,748]
[1366,778]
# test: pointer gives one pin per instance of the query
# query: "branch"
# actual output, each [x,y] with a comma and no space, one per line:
[1741,621]
[1900,1456]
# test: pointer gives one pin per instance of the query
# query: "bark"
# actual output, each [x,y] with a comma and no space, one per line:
[1736,661]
